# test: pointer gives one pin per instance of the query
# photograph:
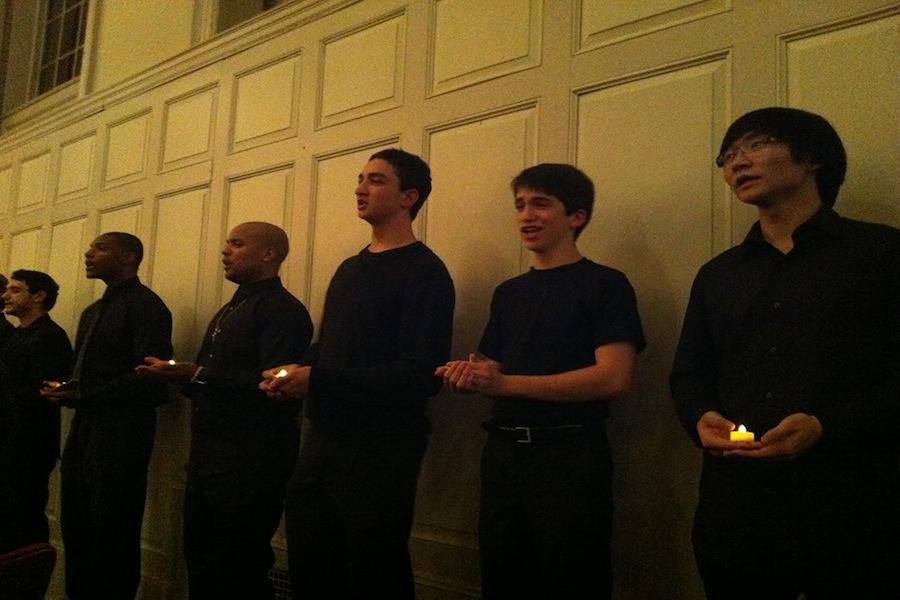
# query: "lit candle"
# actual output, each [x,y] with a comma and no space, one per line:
[172,361]
[742,435]
[281,373]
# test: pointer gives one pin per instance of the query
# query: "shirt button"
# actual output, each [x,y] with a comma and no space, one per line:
[776,305]
[772,349]
[768,395]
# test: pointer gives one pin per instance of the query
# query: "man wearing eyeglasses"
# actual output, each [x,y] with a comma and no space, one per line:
[795,333]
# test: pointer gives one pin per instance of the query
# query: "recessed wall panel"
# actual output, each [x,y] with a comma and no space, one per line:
[67,246]
[468,45]
[127,149]
[660,213]
[337,230]
[188,126]
[362,71]
[605,23]
[470,224]
[76,163]
[33,182]
[265,101]
[23,252]
[5,189]
[177,255]
[850,76]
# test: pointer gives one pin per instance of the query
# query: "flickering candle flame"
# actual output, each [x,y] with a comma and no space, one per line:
[281,373]
[742,435]
[172,361]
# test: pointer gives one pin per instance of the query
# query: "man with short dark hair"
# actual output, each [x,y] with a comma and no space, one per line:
[39,350]
[104,465]
[560,344]
[795,333]
[243,444]
[386,327]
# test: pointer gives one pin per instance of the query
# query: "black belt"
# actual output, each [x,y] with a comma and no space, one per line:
[530,435]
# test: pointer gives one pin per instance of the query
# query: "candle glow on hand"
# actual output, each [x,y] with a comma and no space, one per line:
[281,373]
[742,435]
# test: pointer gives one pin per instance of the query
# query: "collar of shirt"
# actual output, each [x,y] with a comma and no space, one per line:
[250,289]
[825,223]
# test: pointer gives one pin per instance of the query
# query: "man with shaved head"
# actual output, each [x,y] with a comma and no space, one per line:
[243,443]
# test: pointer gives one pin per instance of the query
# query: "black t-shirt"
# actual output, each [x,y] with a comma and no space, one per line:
[550,321]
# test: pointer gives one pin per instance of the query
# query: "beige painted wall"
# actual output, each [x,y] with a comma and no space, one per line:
[273,120]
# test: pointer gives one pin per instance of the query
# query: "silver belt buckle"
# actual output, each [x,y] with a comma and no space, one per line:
[527,431]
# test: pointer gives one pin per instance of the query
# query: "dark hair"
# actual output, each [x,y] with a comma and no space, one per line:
[39,282]
[3,282]
[412,171]
[571,186]
[808,135]
[128,243]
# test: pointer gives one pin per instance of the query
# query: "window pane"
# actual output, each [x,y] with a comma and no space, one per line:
[54,7]
[51,41]
[69,32]
[78,56]
[65,68]
[82,24]
[46,81]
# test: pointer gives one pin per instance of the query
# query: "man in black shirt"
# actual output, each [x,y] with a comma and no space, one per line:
[795,333]
[243,444]
[560,344]
[386,327]
[104,465]
[39,350]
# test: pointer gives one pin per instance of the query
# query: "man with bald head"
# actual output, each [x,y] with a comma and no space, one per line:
[243,444]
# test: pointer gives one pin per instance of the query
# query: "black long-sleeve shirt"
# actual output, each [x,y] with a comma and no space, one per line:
[386,327]
[115,418]
[234,424]
[33,354]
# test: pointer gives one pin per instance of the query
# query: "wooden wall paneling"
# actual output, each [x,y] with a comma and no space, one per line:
[6,189]
[265,103]
[126,149]
[33,182]
[23,252]
[465,46]
[76,167]
[362,70]
[848,70]
[188,126]
[469,223]
[657,217]
[601,24]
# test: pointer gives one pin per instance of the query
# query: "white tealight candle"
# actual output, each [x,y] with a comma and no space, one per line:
[742,435]
[281,373]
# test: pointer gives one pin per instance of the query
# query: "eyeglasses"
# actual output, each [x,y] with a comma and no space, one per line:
[750,147]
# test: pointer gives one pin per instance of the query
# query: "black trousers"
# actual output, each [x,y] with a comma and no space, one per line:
[101,517]
[349,513]
[229,521]
[546,518]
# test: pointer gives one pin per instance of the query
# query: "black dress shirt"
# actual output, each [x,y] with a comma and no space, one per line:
[234,424]
[767,335]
